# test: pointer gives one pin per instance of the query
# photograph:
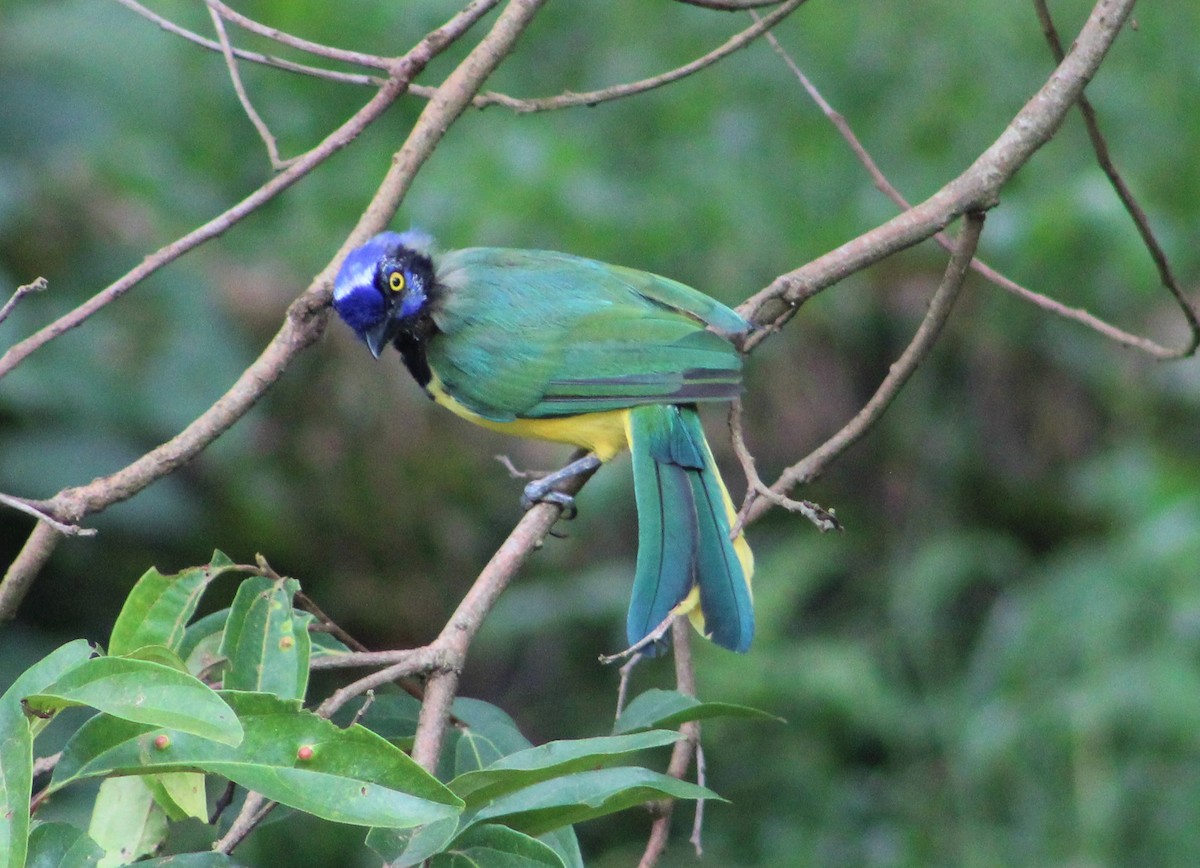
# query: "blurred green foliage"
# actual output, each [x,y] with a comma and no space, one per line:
[999,661]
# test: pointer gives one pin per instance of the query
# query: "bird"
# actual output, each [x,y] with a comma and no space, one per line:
[558,347]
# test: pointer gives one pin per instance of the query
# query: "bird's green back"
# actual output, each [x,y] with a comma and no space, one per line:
[535,334]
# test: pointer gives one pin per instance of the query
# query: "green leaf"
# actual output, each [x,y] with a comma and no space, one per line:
[583,796]
[143,692]
[159,606]
[489,735]
[61,845]
[16,747]
[288,754]
[201,645]
[180,794]
[326,646]
[565,844]
[497,847]
[664,709]
[126,822]
[266,639]
[158,654]
[401,848]
[552,760]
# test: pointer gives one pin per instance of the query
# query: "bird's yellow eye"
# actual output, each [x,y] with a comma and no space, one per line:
[396,281]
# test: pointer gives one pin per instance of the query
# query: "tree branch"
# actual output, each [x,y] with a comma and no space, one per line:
[1136,213]
[264,132]
[403,71]
[976,189]
[619,91]
[252,56]
[357,58]
[38,285]
[1077,315]
[922,343]
[29,508]
[456,637]
[730,5]
[682,753]
[302,326]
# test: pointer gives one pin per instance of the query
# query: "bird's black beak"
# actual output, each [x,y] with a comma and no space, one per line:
[380,336]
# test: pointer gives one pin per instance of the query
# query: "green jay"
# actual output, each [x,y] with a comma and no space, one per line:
[562,348]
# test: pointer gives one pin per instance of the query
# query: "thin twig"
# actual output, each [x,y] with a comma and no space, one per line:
[362,709]
[1125,194]
[623,685]
[252,56]
[305,602]
[619,91]
[45,764]
[698,820]
[682,753]
[918,349]
[516,472]
[254,811]
[29,508]
[402,658]
[730,5]
[824,519]
[1050,305]
[264,132]
[402,72]
[646,641]
[302,326]
[37,285]
[976,189]
[358,58]
[464,624]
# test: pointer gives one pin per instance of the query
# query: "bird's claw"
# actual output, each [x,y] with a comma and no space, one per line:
[535,494]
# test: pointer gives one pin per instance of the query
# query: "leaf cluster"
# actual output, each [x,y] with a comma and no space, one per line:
[184,702]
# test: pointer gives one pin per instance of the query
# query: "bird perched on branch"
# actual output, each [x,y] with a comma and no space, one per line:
[557,347]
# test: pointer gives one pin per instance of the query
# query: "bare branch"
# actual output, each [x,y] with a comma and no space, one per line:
[403,71]
[45,764]
[1125,194]
[1004,282]
[635,650]
[25,566]
[918,349]
[264,132]
[357,58]
[302,326]
[254,811]
[38,285]
[623,684]
[410,660]
[824,519]
[682,753]
[595,97]
[252,56]
[730,5]
[975,189]
[30,508]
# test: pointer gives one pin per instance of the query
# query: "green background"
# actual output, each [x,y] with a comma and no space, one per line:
[997,663]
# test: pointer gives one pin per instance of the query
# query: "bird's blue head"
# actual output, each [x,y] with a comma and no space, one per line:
[383,286]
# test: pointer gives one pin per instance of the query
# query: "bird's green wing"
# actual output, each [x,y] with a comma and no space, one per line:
[533,334]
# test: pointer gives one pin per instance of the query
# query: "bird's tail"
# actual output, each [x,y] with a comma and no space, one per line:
[686,562]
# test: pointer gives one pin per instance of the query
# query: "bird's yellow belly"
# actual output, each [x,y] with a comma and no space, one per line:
[601,433]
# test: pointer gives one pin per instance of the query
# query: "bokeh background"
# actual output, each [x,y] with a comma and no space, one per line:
[997,663]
